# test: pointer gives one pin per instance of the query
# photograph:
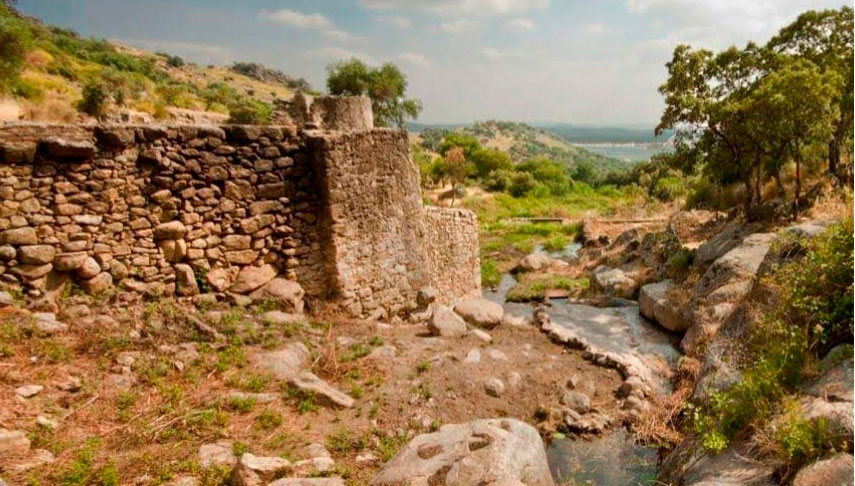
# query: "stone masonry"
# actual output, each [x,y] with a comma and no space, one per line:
[185,209]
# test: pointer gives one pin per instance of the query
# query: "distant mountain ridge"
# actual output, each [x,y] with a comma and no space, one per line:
[572,133]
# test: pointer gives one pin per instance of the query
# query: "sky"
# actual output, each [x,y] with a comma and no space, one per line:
[594,62]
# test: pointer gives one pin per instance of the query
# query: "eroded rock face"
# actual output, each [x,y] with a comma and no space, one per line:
[480,312]
[489,451]
[722,288]
[834,471]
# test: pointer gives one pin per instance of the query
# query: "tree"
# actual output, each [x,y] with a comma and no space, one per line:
[487,160]
[468,143]
[386,86]
[457,169]
[825,38]
[95,98]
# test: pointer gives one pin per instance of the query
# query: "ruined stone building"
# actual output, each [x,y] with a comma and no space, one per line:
[326,200]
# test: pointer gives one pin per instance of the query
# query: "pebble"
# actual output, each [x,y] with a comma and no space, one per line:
[472,357]
[494,387]
[28,391]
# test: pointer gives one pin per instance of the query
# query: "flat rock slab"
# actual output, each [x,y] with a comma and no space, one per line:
[653,304]
[616,337]
[308,381]
[283,363]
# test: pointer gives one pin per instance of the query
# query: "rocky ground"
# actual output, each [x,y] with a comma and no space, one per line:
[213,389]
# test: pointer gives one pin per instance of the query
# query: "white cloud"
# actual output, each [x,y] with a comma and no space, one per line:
[719,23]
[397,21]
[330,53]
[520,24]
[595,28]
[496,55]
[473,8]
[414,58]
[298,20]
[458,26]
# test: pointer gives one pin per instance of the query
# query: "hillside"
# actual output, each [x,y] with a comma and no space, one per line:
[59,69]
[523,142]
[590,134]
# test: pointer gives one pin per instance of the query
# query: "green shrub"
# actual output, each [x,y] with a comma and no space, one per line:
[94,101]
[28,90]
[809,311]
[15,38]
[490,275]
[250,112]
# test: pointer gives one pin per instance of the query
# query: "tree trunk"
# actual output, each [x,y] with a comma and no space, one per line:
[798,187]
[834,160]
[453,193]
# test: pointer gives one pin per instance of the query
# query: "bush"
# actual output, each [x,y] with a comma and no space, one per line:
[27,89]
[250,112]
[522,184]
[94,102]
[499,180]
[809,311]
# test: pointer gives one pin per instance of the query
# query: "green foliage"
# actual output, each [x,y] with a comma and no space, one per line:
[172,61]
[386,86]
[743,115]
[535,288]
[799,439]
[269,419]
[811,311]
[219,94]
[15,38]
[490,275]
[248,111]
[343,441]
[95,98]
[468,143]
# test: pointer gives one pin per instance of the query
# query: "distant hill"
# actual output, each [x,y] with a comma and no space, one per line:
[137,84]
[523,142]
[592,134]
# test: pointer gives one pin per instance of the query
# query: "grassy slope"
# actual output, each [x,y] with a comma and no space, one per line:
[59,64]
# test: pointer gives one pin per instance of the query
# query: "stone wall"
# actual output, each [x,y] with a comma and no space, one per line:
[187,209]
[452,250]
[156,207]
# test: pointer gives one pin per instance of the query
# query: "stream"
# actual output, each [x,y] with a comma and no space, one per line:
[612,459]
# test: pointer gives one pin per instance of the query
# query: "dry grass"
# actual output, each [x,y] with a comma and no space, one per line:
[659,424]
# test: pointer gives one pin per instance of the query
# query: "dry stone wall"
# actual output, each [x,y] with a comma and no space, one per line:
[230,209]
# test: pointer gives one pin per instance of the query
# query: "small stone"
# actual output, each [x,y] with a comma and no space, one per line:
[514,379]
[28,391]
[426,296]
[97,284]
[497,355]
[473,356]
[19,236]
[577,401]
[185,280]
[89,268]
[279,318]
[47,423]
[36,254]
[253,470]
[481,335]
[217,454]
[308,381]
[494,387]
[13,442]
[287,293]
[480,312]
[172,230]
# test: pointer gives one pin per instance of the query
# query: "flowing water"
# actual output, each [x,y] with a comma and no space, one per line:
[612,459]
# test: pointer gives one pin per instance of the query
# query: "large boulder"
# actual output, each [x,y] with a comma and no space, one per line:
[480,312]
[487,451]
[834,471]
[653,303]
[287,293]
[538,261]
[444,322]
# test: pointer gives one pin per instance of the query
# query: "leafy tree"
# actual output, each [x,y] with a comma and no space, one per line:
[219,93]
[825,38]
[15,40]
[468,143]
[457,169]
[742,115]
[487,160]
[386,86]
